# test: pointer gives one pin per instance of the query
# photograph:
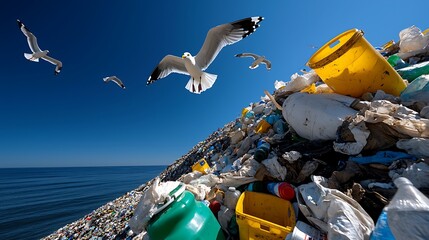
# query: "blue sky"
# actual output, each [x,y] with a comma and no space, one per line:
[75,119]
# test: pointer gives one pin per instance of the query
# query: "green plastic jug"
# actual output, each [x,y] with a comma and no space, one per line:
[184,218]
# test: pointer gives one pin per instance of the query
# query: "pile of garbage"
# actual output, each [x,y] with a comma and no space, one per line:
[344,165]
[331,154]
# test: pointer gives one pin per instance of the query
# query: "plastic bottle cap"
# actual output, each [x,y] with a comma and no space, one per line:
[232,189]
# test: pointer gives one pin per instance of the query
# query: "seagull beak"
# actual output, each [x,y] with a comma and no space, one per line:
[183,56]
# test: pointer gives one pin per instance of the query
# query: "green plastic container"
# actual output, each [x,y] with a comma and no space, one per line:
[184,218]
[412,72]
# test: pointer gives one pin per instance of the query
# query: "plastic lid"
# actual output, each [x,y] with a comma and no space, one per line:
[232,189]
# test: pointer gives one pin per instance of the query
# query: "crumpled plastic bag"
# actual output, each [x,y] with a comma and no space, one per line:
[417,173]
[276,170]
[249,168]
[412,39]
[389,121]
[190,176]
[297,82]
[200,191]
[291,156]
[401,118]
[360,133]
[333,212]
[208,180]
[415,146]
[156,194]
[233,180]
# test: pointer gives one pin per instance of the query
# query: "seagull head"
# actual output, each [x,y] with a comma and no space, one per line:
[186,55]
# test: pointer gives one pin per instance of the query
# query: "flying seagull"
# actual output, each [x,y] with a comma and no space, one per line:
[258,59]
[37,52]
[217,38]
[115,80]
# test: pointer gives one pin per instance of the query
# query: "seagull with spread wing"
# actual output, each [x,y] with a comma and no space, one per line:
[217,38]
[257,60]
[37,52]
[115,80]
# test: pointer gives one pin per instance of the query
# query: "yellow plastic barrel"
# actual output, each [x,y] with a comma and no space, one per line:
[350,65]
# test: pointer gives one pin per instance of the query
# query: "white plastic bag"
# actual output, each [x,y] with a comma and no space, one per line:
[158,193]
[275,169]
[190,176]
[334,212]
[415,146]
[317,116]
[412,39]
[417,173]
[297,82]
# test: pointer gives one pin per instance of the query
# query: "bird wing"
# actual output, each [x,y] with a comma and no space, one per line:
[31,39]
[267,63]
[254,56]
[117,81]
[167,65]
[223,35]
[58,63]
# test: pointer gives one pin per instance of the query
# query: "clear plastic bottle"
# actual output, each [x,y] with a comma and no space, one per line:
[406,216]
[231,198]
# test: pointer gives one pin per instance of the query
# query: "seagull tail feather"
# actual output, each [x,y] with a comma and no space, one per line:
[200,85]
[29,56]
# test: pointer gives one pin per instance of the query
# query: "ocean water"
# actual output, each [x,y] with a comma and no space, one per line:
[34,202]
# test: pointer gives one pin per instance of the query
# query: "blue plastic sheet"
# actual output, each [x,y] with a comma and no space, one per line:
[384,157]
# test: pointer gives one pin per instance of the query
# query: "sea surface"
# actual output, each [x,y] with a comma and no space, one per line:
[35,202]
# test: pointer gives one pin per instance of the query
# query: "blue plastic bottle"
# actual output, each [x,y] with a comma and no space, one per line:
[382,230]
[262,151]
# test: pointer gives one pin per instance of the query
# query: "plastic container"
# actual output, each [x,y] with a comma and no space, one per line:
[262,151]
[262,127]
[281,189]
[406,216]
[351,66]
[201,166]
[184,218]
[412,72]
[264,216]
[396,62]
[231,198]
[257,187]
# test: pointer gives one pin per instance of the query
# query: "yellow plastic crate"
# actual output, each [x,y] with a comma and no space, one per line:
[201,166]
[264,216]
